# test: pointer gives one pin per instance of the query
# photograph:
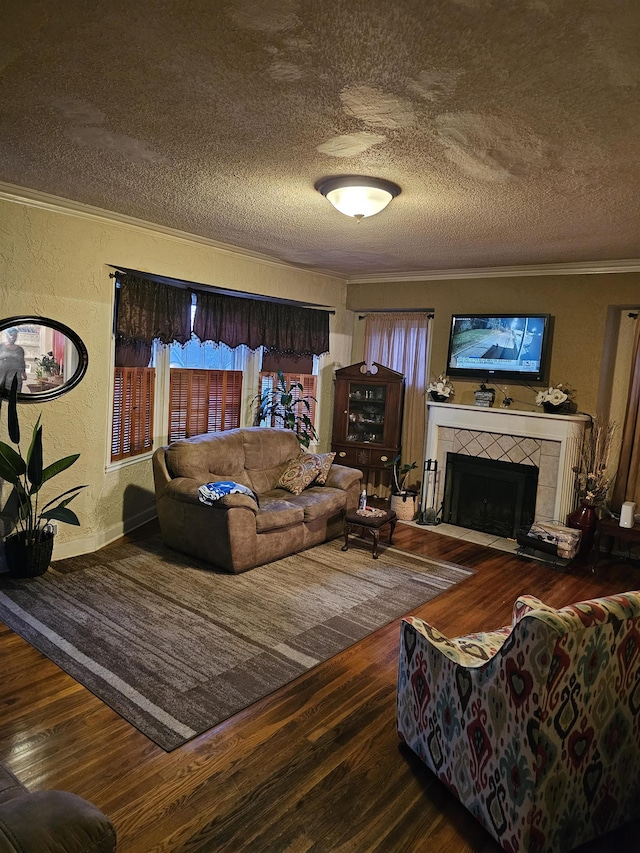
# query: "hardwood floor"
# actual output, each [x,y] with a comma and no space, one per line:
[315,766]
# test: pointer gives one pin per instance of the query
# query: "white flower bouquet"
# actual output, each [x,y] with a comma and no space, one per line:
[440,388]
[556,395]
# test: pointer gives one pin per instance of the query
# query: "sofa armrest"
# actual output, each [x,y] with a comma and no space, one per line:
[185,490]
[49,821]
[341,477]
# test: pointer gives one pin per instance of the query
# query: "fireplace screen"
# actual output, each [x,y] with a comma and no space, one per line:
[488,495]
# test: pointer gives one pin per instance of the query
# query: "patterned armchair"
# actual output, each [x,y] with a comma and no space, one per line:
[534,727]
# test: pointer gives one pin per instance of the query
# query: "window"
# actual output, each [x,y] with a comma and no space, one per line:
[133,403]
[269,380]
[168,385]
[203,401]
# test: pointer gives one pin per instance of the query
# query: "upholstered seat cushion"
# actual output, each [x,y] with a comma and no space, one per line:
[320,501]
[276,512]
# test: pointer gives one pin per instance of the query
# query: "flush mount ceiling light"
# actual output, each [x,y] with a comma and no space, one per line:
[358,196]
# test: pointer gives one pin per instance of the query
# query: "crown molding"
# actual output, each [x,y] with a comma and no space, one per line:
[56,204]
[580,268]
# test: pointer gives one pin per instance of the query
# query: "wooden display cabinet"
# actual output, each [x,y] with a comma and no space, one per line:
[367,417]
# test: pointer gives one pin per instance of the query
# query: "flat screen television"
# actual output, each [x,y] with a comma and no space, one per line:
[500,346]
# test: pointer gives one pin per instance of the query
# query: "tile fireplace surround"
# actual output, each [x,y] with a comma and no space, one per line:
[550,442]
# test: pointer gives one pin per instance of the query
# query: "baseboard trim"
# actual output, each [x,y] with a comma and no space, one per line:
[97,540]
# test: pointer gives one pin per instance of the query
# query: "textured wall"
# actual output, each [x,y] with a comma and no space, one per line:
[579,304]
[55,264]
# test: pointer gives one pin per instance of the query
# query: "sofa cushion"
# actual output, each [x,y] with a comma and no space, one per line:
[275,512]
[214,456]
[299,473]
[320,502]
[325,460]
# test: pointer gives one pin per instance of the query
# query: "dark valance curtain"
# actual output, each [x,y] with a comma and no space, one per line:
[286,329]
[131,353]
[149,310]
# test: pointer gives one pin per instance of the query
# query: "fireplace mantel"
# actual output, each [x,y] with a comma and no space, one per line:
[567,430]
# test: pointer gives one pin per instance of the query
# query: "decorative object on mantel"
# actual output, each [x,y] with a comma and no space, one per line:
[440,389]
[592,482]
[484,396]
[557,400]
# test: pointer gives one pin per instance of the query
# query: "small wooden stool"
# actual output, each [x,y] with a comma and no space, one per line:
[370,524]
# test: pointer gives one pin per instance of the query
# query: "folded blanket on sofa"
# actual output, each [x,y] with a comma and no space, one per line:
[212,492]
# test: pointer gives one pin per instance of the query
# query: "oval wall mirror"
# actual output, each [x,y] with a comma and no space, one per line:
[48,358]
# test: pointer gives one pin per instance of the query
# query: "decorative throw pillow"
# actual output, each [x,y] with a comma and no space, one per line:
[299,473]
[325,461]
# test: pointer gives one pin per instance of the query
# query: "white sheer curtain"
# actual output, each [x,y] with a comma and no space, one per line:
[399,341]
[627,484]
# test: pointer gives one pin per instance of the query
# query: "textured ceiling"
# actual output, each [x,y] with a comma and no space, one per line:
[511,127]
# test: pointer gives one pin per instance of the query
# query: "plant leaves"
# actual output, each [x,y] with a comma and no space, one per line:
[12,417]
[56,467]
[61,513]
[12,465]
[34,460]
[75,489]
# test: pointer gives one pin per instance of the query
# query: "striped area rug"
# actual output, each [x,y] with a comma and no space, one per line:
[176,648]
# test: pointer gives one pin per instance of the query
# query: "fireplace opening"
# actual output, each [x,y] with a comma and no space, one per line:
[489,495]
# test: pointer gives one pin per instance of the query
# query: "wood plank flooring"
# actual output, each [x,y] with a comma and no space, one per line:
[316,766]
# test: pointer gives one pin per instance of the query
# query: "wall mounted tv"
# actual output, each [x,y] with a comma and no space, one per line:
[500,346]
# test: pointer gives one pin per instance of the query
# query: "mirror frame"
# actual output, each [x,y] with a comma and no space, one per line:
[83,357]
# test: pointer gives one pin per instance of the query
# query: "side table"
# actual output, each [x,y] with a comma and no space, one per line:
[610,527]
[371,525]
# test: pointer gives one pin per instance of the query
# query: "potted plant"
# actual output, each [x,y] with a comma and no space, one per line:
[28,550]
[286,406]
[402,499]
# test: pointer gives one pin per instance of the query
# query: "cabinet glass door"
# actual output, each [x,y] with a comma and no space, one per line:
[366,413]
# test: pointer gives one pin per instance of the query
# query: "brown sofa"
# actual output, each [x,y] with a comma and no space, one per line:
[236,533]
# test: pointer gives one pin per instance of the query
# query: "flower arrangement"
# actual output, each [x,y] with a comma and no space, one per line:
[593,480]
[441,387]
[556,395]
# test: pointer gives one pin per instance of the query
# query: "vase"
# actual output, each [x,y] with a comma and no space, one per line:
[566,408]
[585,519]
[28,560]
[438,398]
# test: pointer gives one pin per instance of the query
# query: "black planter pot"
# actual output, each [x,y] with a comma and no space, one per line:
[28,561]
[438,398]
[566,408]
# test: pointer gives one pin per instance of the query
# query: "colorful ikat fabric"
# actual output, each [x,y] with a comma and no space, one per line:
[534,727]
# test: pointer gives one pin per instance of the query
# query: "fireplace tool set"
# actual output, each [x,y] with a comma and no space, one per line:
[428,513]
